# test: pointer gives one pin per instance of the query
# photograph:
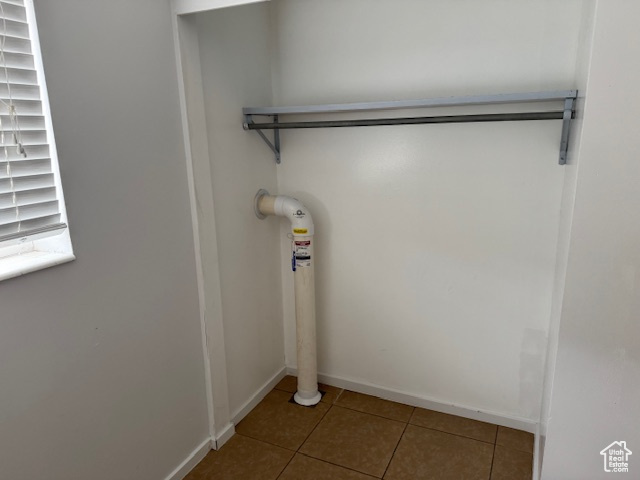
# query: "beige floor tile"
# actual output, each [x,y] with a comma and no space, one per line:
[375,406]
[482,431]
[511,464]
[290,384]
[429,454]
[242,458]
[515,439]
[354,440]
[307,468]
[275,420]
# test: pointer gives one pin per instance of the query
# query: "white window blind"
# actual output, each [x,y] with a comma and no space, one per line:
[29,201]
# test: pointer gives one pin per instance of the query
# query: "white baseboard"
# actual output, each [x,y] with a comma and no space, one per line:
[425,402]
[191,461]
[242,412]
[227,432]
[223,437]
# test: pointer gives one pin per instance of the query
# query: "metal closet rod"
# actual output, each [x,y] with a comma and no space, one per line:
[371,122]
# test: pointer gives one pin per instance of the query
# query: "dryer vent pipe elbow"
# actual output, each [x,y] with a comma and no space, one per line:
[293,209]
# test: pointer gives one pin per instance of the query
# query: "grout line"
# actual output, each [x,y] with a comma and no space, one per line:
[342,390]
[509,447]
[338,465]
[374,414]
[455,434]
[285,467]
[395,449]
[264,441]
[314,428]
[493,457]
[283,390]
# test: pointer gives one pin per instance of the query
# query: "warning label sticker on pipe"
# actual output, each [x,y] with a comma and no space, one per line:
[302,252]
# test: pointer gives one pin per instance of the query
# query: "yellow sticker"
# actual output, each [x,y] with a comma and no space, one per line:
[299,230]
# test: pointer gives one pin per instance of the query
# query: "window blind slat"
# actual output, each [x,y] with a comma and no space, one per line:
[18,60]
[16,13]
[16,45]
[18,75]
[14,2]
[17,30]
[20,92]
[26,226]
[29,197]
[50,225]
[23,107]
[21,159]
[37,137]
[30,182]
[30,136]
[28,212]
[28,122]
[25,168]
[33,152]
[27,125]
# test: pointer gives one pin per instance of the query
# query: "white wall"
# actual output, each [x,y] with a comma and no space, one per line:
[566,215]
[101,367]
[236,71]
[596,396]
[436,245]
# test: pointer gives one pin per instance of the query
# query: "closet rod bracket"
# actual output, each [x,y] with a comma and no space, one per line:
[569,113]
[275,146]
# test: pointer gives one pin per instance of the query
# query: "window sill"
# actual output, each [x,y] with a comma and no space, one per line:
[17,265]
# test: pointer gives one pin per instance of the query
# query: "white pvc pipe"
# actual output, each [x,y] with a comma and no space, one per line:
[302,230]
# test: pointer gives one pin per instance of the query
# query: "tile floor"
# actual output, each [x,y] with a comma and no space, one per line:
[351,436]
